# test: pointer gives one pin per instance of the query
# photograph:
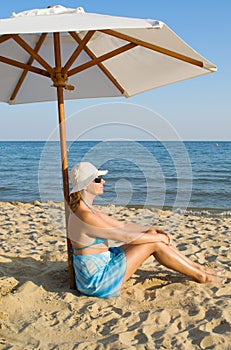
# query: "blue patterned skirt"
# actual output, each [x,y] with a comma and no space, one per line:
[102,274]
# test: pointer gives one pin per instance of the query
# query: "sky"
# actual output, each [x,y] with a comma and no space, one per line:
[195,109]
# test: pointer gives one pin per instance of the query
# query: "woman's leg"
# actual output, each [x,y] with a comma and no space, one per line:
[136,254]
[197,265]
[167,256]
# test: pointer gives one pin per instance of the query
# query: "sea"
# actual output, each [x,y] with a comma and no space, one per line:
[180,176]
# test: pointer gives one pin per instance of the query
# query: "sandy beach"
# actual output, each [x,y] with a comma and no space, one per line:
[158,308]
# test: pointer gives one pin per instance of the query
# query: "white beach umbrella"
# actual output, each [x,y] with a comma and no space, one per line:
[59,53]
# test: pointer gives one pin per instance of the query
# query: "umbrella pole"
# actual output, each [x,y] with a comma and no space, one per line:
[64,158]
[60,83]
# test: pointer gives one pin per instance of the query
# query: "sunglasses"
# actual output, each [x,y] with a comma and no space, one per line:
[98,179]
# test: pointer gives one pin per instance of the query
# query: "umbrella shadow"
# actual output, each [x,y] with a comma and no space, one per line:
[51,275]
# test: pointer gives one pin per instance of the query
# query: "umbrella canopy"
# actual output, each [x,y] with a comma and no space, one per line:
[59,53]
[101,56]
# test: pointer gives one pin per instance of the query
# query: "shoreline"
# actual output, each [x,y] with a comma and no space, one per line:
[158,308]
[207,212]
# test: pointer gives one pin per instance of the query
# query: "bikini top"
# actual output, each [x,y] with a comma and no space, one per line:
[96,241]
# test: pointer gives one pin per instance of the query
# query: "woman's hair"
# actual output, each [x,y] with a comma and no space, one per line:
[75,199]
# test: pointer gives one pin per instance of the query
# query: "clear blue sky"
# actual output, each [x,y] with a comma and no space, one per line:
[198,109]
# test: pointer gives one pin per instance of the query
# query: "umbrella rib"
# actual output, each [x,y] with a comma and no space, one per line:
[24,66]
[100,65]
[100,59]
[153,47]
[79,49]
[31,51]
[4,38]
[24,73]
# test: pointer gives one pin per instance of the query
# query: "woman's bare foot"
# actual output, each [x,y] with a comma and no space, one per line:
[208,278]
[213,272]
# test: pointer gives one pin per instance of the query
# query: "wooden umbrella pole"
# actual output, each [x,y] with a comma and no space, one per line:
[62,131]
[60,83]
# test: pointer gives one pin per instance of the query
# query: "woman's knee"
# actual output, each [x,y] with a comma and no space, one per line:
[158,247]
[154,246]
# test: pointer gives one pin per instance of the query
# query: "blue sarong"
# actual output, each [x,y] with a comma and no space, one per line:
[101,274]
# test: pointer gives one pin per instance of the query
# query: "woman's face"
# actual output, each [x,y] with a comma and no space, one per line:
[96,188]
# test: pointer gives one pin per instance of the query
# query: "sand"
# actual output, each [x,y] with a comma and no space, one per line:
[158,308]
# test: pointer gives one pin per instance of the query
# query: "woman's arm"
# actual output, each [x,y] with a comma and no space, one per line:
[103,226]
[129,226]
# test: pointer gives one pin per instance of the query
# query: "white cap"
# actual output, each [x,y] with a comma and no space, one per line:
[83,174]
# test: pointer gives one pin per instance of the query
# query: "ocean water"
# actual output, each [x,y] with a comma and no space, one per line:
[175,175]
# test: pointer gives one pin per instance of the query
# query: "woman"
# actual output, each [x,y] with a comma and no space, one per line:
[101,270]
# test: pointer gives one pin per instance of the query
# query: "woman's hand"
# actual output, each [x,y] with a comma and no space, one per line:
[166,234]
[164,237]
